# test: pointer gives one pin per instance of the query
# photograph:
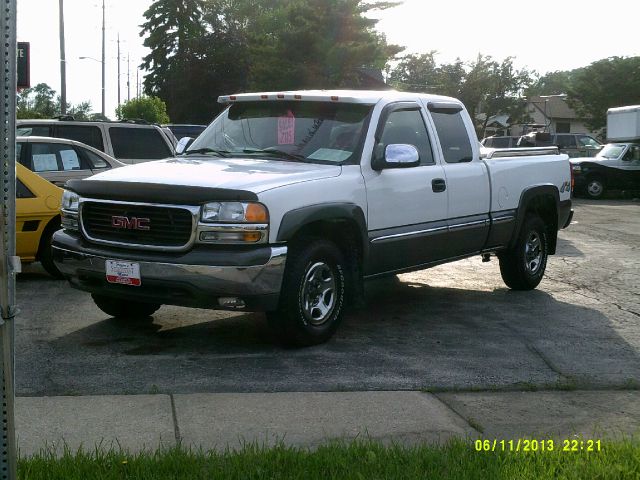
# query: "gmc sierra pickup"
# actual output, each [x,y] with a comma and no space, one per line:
[288,201]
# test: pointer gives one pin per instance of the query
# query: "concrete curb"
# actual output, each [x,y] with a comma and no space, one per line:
[226,420]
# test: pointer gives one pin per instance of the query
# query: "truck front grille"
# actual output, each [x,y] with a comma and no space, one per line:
[132,224]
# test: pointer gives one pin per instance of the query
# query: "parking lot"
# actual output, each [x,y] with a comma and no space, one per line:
[452,327]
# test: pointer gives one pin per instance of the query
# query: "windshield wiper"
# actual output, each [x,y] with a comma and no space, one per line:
[222,153]
[277,152]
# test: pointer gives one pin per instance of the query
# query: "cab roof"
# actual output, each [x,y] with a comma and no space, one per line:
[366,97]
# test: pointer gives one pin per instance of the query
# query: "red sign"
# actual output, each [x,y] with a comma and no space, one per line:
[287,129]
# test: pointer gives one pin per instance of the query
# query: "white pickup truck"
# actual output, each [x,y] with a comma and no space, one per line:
[288,201]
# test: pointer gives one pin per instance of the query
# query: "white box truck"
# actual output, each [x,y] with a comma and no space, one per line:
[617,165]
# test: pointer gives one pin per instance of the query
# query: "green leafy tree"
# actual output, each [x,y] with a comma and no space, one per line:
[420,73]
[553,83]
[41,101]
[610,82]
[151,109]
[202,49]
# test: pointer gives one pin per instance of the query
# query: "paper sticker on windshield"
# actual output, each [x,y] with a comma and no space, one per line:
[286,129]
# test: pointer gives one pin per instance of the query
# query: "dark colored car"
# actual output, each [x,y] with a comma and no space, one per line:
[184,130]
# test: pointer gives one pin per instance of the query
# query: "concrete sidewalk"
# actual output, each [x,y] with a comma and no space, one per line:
[220,420]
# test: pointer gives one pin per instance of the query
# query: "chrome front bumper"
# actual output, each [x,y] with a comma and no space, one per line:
[196,285]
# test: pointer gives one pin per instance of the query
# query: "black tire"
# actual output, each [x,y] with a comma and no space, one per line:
[45,255]
[306,315]
[523,267]
[120,308]
[595,187]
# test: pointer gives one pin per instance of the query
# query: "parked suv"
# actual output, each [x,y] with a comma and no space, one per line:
[573,144]
[125,141]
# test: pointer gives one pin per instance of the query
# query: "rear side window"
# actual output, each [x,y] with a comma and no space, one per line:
[81,133]
[142,143]
[453,136]
[499,142]
[22,191]
[566,141]
[33,131]
[95,160]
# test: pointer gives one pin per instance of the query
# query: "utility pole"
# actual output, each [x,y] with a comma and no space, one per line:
[118,68]
[137,83]
[128,84]
[103,62]
[63,63]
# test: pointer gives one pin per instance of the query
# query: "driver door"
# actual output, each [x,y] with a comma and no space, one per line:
[407,207]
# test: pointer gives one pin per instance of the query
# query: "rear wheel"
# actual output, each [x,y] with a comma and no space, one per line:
[595,188]
[312,295]
[119,308]
[523,266]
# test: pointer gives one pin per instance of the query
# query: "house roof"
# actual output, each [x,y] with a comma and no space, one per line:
[556,106]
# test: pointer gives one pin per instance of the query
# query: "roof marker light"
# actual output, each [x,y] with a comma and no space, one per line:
[297,97]
[334,98]
[264,97]
[232,98]
[280,95]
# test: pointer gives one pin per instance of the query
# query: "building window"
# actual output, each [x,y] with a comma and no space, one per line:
[563,127]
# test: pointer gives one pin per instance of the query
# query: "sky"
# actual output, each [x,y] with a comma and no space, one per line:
[544,36]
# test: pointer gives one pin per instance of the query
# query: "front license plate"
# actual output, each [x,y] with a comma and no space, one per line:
[124,273]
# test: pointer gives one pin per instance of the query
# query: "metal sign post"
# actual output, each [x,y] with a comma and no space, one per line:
[9,263]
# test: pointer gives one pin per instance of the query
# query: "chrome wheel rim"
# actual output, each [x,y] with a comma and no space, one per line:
[594,188]
[533,253]
[318,293]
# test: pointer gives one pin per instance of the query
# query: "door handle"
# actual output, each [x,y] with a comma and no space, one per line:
[438,185]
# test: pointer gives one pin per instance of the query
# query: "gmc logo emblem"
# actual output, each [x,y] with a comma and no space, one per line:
[132,223]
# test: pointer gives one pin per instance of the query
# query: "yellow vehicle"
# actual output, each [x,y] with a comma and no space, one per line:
[37,217]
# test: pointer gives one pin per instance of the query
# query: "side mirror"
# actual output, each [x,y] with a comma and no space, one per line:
[183,144]
[396,155]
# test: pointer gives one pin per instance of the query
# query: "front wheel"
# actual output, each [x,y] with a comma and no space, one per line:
[120,308]
[45,255]
[523,266]
[312,295]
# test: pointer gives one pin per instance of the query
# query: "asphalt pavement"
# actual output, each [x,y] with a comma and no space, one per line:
[444,352]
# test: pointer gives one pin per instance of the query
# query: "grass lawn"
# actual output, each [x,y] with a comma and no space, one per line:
[358,460]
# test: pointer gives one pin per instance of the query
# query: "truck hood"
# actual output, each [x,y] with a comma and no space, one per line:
[255,175]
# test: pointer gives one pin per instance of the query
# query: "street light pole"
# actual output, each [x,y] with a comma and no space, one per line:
[128,83]
[63,64]
[118,68]
[103,62]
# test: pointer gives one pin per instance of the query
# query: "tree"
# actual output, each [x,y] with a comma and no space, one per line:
[611,82]
[420,73]
[41,101]
[151,109]
[222,46]
[553,83]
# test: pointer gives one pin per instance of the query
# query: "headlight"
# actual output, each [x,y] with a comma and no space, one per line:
[70,201]
[234,212]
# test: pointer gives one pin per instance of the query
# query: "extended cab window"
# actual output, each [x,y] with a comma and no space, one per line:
[86,134]
[138,143]
[453,135]
[320,132]
[407,126]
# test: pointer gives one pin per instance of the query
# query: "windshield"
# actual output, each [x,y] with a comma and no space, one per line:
[317,132]
[611,150]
